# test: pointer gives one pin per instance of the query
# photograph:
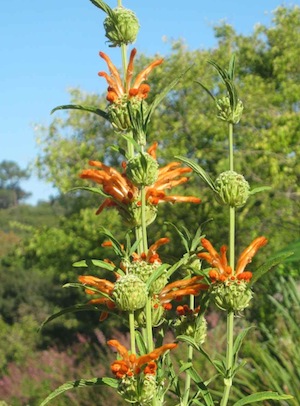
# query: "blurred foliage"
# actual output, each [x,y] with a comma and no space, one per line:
[40,243]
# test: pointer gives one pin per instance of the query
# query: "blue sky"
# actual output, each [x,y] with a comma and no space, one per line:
[49,46]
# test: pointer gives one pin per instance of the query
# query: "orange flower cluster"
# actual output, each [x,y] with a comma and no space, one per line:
[116,90]
[185,310]
[221,270]
[123,192]
[103,286]
[176,290]
[152,256]
[131,365]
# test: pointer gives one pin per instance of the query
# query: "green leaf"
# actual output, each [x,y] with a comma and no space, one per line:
[85,263]
[238,342]
[90,189]
[161,96]
[259,189]
[260,396]
[199,171]
[156,274]
[89,109]
[207,90]
[201,386]
[117,246]
[267,266]
[71,309]
[80,383]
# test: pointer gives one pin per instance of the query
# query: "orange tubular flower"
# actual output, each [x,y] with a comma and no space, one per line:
[123,192]
[131,365]
[103,286]
[116,90]
[151,257]
[221,270]
[176,290]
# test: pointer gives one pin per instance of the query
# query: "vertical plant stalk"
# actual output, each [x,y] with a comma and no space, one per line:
[230,315]
[187,385]
[132,332]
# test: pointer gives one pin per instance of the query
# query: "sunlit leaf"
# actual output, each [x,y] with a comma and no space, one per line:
[268,265]
[80,383]
[258,397]
[89,109]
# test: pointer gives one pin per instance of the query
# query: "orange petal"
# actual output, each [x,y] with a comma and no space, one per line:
[247,255]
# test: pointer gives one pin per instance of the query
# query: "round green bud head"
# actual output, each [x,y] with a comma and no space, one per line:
[225,111]
[127,388]
[231,295]
[133,215]
[157,314]
[142,170]
[144,270]
[130,293]
[118,112]
[232,189]
[193,325]
[123,28]
[138,390]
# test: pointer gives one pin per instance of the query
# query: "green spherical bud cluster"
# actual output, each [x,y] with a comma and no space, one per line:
[134,214]
[142,170]
[138,390]
[157,314]
[231,295]
[232,189]
[225,110]
[192,325]
[122,28]
[144,270]
[130,293]
[118,112]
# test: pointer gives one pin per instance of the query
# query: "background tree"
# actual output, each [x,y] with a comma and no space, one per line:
[10,177]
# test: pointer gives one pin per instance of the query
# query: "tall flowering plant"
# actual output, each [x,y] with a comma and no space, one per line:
[142,288]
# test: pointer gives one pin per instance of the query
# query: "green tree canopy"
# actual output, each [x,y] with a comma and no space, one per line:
[266,140]
[10,177]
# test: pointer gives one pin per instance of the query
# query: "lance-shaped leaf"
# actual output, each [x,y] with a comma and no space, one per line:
[260,396]
[199,171]
[90,189]
[156,274]
[70,309]
[104,7]
[259,189]
[80,383]
[160,97]
[267,266]
[203,389]
[85,263]
[89,109]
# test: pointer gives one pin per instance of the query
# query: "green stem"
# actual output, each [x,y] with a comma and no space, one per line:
[132,332]
[187,385]
[230,140]
[229,359]
[230,315]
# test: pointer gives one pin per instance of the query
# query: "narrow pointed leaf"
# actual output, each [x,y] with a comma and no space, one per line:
[206,89]
[162,95]
[268,265]
[239,340]
[259,189]
[71,309]
[85,263]
[89,189]
[89,109]
[156,274]
[199,171]
[201,386]
[259,397]
[81,383]
[231,68]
